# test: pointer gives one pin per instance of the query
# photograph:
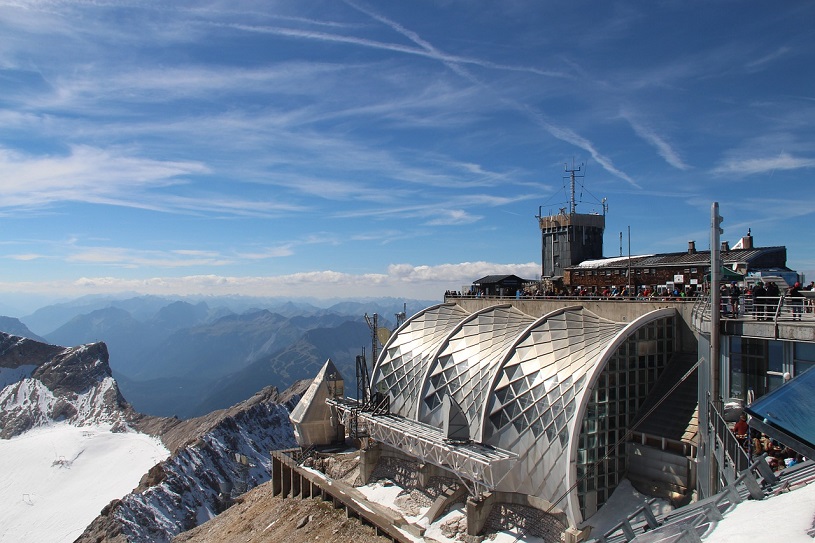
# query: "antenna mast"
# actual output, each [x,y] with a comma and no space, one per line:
[572,176]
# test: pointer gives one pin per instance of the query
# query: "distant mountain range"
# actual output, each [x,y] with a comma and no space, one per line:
[186,357]
[14,327]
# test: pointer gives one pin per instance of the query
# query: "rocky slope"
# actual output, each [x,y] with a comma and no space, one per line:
[262,518]
[43,384]
[183,491]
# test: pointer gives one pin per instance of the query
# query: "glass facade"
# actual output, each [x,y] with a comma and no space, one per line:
[803,357]
[613,404]
[750,361]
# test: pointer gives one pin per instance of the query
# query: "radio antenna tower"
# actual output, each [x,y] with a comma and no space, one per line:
[572,175]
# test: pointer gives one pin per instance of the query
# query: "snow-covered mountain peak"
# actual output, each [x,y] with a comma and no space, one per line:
[42,384]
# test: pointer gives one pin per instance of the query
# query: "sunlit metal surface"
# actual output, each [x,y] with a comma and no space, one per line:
[524,385]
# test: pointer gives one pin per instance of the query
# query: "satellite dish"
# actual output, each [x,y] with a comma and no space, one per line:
[383,335]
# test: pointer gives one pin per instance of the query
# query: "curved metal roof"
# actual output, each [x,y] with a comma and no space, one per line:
[522,383]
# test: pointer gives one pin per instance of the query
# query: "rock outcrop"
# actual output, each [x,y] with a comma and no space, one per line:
[44,383]
[183,491]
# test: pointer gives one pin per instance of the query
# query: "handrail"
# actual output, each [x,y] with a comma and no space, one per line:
[732,448]
[592,297]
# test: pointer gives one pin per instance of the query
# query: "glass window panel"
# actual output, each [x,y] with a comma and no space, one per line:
[547,418]
[775,356]
[513,410]
[804,352]
[537,427]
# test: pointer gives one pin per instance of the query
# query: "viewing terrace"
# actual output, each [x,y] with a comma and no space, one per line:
[784,318]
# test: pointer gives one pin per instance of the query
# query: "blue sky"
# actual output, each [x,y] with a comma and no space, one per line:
[387,148]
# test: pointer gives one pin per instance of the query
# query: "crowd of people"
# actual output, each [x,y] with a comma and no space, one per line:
[761,300]
[755,444]
[643,292]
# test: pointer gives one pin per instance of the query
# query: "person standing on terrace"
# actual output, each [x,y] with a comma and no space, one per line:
[759,295]
[735,294]
[797,301]
[772,298]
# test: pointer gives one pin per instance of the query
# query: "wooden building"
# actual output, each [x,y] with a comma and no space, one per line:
[687,271]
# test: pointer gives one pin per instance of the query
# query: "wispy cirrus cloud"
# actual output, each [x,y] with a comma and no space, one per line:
[768,58]
[743,166]
[114,177]
[393,47]
[650,136]
[125,257]
[457,65]
[84,174]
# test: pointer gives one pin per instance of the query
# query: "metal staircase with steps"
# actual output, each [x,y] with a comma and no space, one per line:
[662,445]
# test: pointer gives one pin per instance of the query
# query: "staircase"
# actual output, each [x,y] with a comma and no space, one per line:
[662,443]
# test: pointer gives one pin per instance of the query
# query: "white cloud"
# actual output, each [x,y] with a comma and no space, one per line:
[448,217]
[116,177]
[756,165]
[400,280]
[652,138]
[26,256]
[84,174]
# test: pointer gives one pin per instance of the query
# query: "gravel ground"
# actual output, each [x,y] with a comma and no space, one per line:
[263,518]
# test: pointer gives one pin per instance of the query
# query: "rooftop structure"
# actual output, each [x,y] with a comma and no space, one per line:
[554,400]
[685,271]
[546,400]
[570,238]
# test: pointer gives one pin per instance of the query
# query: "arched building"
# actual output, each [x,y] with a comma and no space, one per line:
[547,401]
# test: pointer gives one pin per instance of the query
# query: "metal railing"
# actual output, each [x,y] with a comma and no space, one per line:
[768,308]
[778,308]
[732,449]
[592,297]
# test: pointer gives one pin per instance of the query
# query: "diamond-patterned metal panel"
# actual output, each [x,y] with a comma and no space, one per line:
[406,358]
[466,363]
[522,383]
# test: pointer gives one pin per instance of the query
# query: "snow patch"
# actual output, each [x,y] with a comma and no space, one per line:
[64,475]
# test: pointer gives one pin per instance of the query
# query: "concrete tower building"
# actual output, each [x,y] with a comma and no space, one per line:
[567,239]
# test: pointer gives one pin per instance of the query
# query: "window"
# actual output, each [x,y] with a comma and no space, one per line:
[619,393]
[803,357]
[749,363]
